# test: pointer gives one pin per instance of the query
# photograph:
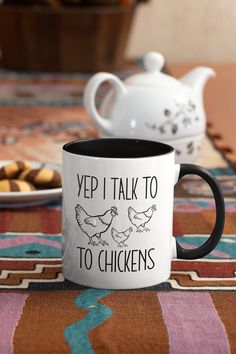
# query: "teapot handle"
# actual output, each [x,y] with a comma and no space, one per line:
[90,93]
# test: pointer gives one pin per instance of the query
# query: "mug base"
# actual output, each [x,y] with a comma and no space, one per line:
[119,286]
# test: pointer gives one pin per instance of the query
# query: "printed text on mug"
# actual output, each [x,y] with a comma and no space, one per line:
[122,188]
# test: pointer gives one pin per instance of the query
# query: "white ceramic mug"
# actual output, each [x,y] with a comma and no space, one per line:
[118,210]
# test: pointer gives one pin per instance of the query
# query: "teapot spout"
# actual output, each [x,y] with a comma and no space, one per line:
[197,78]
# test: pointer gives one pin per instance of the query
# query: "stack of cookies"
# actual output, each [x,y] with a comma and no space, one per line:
[19,176]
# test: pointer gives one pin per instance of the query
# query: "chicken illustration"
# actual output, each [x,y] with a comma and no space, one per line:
[140,219]
[121,237]
[95,226]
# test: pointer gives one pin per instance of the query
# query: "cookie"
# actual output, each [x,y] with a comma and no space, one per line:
[15,185]
[42,177]
[13,169]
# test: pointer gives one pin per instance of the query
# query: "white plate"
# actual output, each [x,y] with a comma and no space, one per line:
[33,198]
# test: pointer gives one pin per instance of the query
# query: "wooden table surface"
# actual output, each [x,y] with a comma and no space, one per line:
[220,104]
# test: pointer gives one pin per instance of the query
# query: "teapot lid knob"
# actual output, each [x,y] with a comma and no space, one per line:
[154,61]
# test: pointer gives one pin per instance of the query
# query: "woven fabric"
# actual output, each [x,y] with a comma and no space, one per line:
[41,312]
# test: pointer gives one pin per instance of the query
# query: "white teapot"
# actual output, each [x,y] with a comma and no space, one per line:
[153,106]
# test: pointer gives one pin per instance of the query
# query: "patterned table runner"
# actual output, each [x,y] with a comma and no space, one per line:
[40,312]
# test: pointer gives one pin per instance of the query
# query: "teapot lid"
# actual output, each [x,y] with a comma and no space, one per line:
[153,64]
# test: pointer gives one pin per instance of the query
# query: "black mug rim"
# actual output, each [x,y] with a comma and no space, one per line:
[117,148]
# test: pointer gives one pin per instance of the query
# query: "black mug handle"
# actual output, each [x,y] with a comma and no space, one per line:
[210,244]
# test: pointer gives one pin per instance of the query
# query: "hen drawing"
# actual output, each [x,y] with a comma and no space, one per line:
[140,219]
[95,226]
[121,237]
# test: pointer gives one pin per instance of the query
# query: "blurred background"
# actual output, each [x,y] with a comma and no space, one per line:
[41,35]
[186,31]
[50,49]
